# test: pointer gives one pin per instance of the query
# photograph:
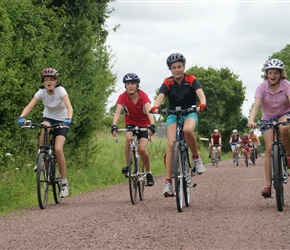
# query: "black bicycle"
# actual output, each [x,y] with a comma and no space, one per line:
[278,163]
[136,173]
[47,173]
[181,167]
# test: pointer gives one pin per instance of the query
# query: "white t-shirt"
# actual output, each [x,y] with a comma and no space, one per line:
[54,107]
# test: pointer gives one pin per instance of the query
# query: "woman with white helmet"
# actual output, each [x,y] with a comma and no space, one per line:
[273,95]
[235,142]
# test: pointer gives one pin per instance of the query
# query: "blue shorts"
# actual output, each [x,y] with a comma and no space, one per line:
[172,118]
[275,118]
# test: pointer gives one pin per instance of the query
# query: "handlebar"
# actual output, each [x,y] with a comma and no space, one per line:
[135,130]
[177,111]
[33,125]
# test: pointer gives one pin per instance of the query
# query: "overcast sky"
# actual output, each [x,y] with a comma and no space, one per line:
[239,35]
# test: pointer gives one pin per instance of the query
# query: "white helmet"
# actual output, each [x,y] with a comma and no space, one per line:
[215,130]
[235,131]
[273,64]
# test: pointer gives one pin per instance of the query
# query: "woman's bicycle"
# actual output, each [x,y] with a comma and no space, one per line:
[278,163]
[181,167]
[136,173]
[47,173]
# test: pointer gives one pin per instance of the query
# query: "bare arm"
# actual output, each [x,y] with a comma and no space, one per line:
[29,107]
[254,112]
[159,100]
[150,116]
[68,106]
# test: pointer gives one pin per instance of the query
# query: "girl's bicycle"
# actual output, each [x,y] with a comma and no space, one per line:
[136,173]
[181,166]
[278,163]
[47,173]
[246,156]
[236,154]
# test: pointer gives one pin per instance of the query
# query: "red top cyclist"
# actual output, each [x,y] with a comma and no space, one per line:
[136,105]
[181,90]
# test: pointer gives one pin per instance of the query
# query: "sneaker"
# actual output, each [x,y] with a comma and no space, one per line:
[199,168]
[150,179]
[240,156]
[125,171]
[288,161]
[233,161]
[167,191]
[266,192]
[250,162]
[35,168]
[64,190]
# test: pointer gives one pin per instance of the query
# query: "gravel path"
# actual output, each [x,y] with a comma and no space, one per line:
[226,212]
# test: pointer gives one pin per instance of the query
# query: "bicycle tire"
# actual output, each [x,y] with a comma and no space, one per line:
[178,175]
[253,156]
[246,159]
[42,180]
[141,185]
[237,158]
[56,186]
[278,178]
[187,179]
[216,159]
[133,183]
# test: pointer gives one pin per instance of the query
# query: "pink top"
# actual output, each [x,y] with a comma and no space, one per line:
[274,104]
[135,114]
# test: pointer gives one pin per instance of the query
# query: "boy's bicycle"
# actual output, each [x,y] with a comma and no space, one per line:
[47,173]
[278,163]
[136,173]
[181,167]
[246,156]
[215,157]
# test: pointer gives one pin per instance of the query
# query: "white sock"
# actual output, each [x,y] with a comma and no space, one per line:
[63,181]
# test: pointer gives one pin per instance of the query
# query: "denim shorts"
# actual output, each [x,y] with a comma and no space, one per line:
[172,118]
[273,119]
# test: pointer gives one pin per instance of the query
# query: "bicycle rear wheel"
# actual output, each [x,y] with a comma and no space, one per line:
[133,179]
[278,178]
[187,179]
[42,180]
[141,184]
[55,178]
[178,176]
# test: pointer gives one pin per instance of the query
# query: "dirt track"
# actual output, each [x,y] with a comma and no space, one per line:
[226,212]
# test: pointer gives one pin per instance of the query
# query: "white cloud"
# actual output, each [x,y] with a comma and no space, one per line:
[239,35]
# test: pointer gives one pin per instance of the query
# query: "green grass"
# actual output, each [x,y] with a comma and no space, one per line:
[98,166]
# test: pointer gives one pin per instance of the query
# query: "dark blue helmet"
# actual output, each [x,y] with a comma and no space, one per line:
[131,77]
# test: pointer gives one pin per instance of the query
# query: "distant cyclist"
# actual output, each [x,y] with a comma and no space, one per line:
[182,90]
[246,146]
[216,142]
[255,141]
[235,142]
[136,105]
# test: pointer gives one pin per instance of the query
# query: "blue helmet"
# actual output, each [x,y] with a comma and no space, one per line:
[131,77]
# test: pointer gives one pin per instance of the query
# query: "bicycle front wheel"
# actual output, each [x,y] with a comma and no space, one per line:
[278,177]
[187,179]
[133,178]
[141,184]
[42,180]
[253,156]
[216,159]
[178,176]
[55,178]
[237,158]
